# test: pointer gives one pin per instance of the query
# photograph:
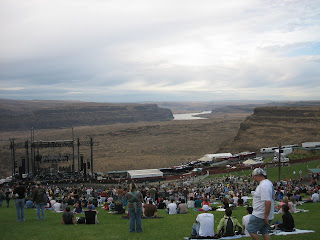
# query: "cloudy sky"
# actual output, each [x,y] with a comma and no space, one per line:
[168,50]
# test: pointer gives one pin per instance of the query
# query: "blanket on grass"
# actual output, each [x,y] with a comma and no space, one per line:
[126,217]
[278,233]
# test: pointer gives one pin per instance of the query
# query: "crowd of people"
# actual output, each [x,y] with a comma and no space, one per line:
[177,197]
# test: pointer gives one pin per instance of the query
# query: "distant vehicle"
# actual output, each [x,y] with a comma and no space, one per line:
[290,146]
[268,150]
[258,158]
[284,152]
[310,144]
[283,160]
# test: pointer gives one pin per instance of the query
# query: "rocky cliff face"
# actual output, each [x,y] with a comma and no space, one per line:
[79,114]
[270,126]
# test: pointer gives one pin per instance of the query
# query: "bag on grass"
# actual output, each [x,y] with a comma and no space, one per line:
[81,220]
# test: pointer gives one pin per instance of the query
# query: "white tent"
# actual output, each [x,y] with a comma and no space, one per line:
[218,155]
[250,162]
[205,159]
[146,173]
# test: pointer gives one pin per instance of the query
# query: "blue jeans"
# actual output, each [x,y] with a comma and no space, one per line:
[195,229]
[40,207]
[20,209]
[256,225]
[135,219]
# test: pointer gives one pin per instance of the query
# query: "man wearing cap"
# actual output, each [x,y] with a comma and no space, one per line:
[204,225]
[263,206]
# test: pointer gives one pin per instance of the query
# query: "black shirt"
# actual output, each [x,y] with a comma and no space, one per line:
[288,222]
[20,190]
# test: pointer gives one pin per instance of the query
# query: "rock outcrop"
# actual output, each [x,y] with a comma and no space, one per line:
[79,114]
[271,126]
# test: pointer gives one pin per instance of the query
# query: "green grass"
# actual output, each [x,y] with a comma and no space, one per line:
[273,172]
[111,226]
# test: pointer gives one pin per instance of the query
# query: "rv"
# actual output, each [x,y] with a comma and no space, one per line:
[268,150]
[284,152]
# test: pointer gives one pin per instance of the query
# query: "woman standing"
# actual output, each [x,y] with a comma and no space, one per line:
[135,200]
[20,192]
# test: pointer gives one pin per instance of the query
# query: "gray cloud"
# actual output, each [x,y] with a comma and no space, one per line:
[159,50]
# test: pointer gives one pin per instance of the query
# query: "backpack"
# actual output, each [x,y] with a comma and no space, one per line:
[229,228]
[81,220]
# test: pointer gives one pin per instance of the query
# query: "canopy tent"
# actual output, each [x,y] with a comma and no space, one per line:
[314,170]
[146,173]
[205,159]
[250,162]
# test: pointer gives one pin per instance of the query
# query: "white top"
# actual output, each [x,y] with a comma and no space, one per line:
[315,197]
[172,207]
[206,221]
[190,204]
[264,192]
[245,221]
[57,207]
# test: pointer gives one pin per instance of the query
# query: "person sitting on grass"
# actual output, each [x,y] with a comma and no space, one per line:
[77,207]
[150,210]
[190,203]
[198,202]
[118,208]
[228,225]
[90,203]
[245,220]
[288,223]
[57,206]
[29,204]
[204,224]
[91,215]
[183,207]
[172,207]
[68,217]
[162,204]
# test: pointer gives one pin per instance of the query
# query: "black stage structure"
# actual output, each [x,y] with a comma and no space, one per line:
[30,163]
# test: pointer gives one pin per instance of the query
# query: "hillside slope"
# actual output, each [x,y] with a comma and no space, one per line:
[270,126]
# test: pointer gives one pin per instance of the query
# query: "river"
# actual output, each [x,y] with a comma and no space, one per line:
[189,116]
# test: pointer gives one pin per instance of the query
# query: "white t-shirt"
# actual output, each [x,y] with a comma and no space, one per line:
[315,197]
[172,208]
[206,221]
[245,221]
[264,192]
[57,207]
[190,204]
[245,199]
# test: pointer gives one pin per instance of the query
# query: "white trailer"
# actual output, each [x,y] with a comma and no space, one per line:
[310,144]
[218,155]
[284,152]
[268,149]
